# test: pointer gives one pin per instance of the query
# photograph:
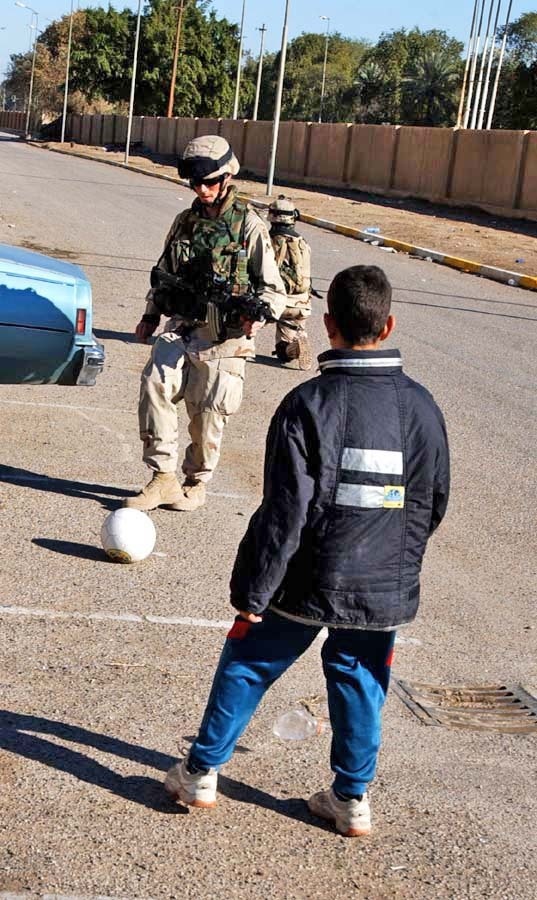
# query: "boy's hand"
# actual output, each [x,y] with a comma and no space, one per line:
[250,617]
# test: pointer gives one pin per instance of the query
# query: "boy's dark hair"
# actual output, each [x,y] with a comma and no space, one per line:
[359,300]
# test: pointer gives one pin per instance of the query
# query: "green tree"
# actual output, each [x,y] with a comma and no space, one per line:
[430,89]
[516,104]
[397,53]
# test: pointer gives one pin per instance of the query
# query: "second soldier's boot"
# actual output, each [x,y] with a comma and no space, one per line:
[193,496]
[300,350]
[163,490]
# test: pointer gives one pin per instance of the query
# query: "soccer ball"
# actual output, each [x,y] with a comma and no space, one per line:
[128,535]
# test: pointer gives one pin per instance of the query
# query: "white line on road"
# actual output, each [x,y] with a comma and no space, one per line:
[138,619]
[67,406]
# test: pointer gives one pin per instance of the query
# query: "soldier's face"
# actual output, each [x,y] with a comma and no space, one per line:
[207,191]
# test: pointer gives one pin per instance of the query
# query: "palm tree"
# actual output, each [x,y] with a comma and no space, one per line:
[430,89]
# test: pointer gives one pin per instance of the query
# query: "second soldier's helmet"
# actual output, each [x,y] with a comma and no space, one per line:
[207,157]
[282,211]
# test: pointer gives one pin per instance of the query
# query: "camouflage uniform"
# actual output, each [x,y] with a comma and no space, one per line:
[293,258]
[186,362]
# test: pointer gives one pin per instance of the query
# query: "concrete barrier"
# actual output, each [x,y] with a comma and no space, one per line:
[486,167]
[528,181]
[494,170]
[13,120]
[371,155]
[327,153]
[207,126]
[107,134]
[150,133]
[293,140]
[185,132]
[234,131]
[166,136]
[421,163]
[256,153]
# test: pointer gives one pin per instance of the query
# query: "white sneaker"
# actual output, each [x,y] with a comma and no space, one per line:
[194,790]
[351,817]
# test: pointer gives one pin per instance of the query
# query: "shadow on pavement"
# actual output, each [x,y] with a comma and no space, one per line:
[71,548]
[126,336]
[80,489]
[138,789]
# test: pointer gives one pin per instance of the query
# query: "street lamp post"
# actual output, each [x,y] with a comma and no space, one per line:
[259,71]
[327,20]
[66,89]
[278,104]
[239,64]
[492,103]
[133,82]
[34,25]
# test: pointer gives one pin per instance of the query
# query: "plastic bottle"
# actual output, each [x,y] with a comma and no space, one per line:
[295,725]
[299,724]
[372,229]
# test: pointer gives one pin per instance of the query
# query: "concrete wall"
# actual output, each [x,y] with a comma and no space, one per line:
[13,121]
[496,170]
[327,152]
[371,155]
[421,163]
[486,167]
[293,143]
[256,154]
[528,182]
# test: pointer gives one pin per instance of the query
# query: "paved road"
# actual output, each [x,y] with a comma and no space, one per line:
[106,668]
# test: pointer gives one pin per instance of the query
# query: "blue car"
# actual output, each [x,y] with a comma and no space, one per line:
[45,321]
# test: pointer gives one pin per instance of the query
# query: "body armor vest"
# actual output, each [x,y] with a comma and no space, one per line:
[293,258]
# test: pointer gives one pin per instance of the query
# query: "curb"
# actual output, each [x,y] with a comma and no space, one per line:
[514,279]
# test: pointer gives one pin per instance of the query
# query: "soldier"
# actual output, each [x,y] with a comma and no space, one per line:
[293,257]
[219,239]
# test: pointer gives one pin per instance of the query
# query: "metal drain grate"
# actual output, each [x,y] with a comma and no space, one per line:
[512,710]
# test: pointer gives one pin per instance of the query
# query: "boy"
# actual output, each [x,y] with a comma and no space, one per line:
[293,258]
[356,480]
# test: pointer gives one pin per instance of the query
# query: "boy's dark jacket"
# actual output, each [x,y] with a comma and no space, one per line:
[336,539]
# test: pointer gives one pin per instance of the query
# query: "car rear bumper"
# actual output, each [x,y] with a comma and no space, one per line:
[92,363]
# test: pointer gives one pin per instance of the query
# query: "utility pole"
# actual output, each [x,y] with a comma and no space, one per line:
[467,65]
[278,103]
[481,69]
[239,65]
[66,89]
[259,70]
[171,98]
[475,51]
[489,67]
[133,82]
[498,70]
[327,18]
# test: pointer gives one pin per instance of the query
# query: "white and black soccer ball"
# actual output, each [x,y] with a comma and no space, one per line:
[128,535]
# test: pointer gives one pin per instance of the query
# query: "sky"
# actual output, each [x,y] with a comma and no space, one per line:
[353,18]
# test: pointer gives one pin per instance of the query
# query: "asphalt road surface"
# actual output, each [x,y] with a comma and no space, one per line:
[106,668]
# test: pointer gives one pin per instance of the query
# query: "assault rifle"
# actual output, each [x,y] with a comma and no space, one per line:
[207,298]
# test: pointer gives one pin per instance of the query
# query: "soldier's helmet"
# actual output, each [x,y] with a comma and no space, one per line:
[207,157]
[282,211]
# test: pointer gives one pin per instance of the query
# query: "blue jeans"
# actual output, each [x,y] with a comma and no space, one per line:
[356,665]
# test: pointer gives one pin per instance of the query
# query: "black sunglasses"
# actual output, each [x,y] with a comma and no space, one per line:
[208,182]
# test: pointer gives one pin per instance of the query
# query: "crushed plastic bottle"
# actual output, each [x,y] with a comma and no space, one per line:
[295,725]
[372,229]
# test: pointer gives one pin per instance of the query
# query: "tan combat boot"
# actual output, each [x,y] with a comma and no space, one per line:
[300,349]
[193,496]
[163,490]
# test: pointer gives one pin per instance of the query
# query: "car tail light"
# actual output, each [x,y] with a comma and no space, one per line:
[80,321]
